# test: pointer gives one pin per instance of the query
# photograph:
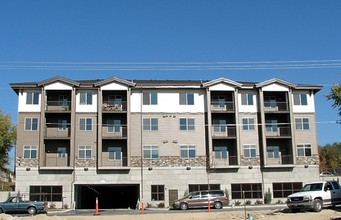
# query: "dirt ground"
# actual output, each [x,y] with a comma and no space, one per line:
[280,214]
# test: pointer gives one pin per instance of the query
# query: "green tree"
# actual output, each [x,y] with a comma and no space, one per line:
[7,140]
[330,156]
[335,95]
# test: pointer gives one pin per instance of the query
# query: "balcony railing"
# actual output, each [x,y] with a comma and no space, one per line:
[275,106]
[223,131]
[58,106]
[277,131]
[113,131]
[279,159]
[114,106]
[55,132]
[57,160]
[112,159]
[222,106]
[221,160]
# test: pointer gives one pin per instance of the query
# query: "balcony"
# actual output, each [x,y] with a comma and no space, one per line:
[279,159]
[55,132]
[277,131]
[58,106]
[114,107]
[221,160]
[222,106]
[112,131]
[223,131]
[270,106]
[55,160]
[113,160]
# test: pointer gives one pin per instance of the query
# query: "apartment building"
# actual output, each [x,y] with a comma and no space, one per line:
[125,140]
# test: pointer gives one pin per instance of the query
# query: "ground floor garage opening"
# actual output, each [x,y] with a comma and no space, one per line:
[109,196]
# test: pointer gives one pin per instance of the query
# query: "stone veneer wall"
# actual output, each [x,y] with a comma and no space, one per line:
[85,162]
[313,160]
[169,162]
[22,162]
[249,161]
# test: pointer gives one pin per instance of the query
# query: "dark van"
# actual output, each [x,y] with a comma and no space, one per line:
[200,199]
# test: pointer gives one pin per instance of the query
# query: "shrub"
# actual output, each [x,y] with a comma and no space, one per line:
[279,202]
[259,202]
[268,197]
[149,205]
[248,202]
[52,205]
[161,205]
[65,206]
[237,203]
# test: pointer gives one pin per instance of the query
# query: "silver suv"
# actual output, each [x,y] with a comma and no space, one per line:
[199,199]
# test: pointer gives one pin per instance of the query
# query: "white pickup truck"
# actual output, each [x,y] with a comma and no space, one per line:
[315,196]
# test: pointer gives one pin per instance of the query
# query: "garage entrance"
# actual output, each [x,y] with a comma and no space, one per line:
[109,196]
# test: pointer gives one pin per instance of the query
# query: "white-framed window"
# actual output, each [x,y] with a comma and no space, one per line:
[249,150]
[187,152]
[85,98]
[150,152]
[186,124]
[31,124]
[300,99]
[62,152]
[30,152]
[248,124]
[302,123]
[186,98]
[304,150]
[84,152]
[247,98]
[115,153]
[62,124]
[85,124]
[150,124]
[149,98]
[32,98]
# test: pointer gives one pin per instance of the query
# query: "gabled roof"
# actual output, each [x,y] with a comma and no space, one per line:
[276,80]
[114,79]
[222,80]
[58,79]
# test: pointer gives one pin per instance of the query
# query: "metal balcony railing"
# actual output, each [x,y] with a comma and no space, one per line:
[272,131]
[222,106]
[57,160]
[223,131]
[114,131]
[55,132]
[58,106]
[222,160]
[271,106]
[112,106]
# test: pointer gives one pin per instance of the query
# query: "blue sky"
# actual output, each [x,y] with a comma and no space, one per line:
[298,41]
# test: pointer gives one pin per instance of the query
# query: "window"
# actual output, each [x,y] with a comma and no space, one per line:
[302,123]
[150,124]
[300,99]
[249,150]
[247,98]
[114,126]
[186,124]
[200,187]
[158,192]
[273,151]
[304,150]
[220,152]
[282,190]
[186,99]
[187,151]
[62,152]
[84,152]
[251,191]
[30,152]
[62,124]
[219,125]
[248,124]
[32,98]
[46,193]
[85,124]
[31,124]
[150,152]
[115,153]
[85,98]
[150,98]
[271,125]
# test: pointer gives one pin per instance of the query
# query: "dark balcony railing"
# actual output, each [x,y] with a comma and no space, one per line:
[58,106]
[279,159]
[55,132]
[109,106]
[57,160]
[221,160]
[111,159]
[278,131]
[222,106]
[275,106]
[223,131]
[113,131]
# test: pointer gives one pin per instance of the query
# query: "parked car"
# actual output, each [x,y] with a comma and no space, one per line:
[315,196]
[16,204]
[200,199]
[326,173]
